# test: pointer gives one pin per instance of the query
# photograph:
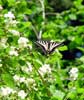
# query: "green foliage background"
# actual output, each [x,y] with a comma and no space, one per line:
[55,26]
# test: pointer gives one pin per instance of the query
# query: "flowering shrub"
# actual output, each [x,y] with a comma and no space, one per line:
[25,72]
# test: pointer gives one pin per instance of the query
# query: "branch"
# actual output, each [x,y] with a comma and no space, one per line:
[35,31]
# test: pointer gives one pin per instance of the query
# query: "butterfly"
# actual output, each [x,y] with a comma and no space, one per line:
[47,46]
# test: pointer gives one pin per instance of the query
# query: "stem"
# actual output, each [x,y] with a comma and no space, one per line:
[43,16]
[43,81]
[43,9]
[36,32]
[51,13]
[58,64]
[65,97]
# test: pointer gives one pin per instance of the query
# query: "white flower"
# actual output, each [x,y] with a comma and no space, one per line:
[73,76]
[22,79]
[14,32]
[3,42]
[73,73]
[73,70]
[16,77]
[25,69]
[6,91]
[13,51]
[14,22]
[19,79]
[45,69]
[23,42]
[30,82]
[9,15]
[1,8]
[22,94]
[28,68]
[10,22]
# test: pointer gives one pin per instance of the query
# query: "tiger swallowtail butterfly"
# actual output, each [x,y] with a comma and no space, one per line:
[47,46]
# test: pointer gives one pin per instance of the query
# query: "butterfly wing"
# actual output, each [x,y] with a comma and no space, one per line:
[54,45]
[43,45]
[47,46]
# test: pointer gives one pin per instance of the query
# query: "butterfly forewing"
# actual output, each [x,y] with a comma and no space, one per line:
[43,45]
[54,45]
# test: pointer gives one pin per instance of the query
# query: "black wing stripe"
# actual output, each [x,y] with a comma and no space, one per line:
[54,45]
[41,45]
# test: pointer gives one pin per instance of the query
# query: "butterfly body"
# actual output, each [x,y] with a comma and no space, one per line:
[47,46]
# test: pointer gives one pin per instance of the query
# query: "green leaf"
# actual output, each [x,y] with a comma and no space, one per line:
[21,62]
[58,95]
[28,11]
[37,63]
[72,94]
[27,24]
[1,32]
[8,80]
[11,2]
[63,48]
[80,90]
[73,16]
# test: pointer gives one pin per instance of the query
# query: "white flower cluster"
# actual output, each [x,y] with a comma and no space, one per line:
[18,78]
[22,42]
[13,51]
[73,73]
[3,42]
[29,82]
[14,32]
[45,69]
[9,15]
[6,91]
[27,69]
[22,94]
[10,19]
